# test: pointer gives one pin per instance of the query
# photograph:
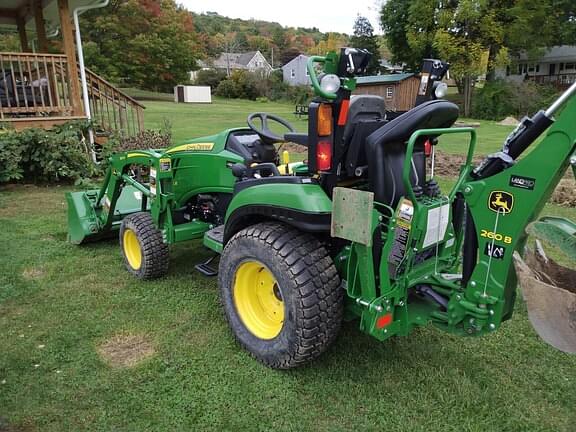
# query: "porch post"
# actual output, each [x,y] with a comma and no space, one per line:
[40,26]
[70,51]
[21,23]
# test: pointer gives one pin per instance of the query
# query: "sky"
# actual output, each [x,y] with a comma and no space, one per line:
[335,16]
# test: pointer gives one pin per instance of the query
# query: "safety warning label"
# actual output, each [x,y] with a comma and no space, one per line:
[404,217]
[436,225]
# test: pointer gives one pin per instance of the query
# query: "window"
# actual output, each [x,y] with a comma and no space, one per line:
[292,73]
[570,66]
[389,92]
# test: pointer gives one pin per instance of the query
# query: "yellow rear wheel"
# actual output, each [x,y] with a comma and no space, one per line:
[258,300]
[281,294]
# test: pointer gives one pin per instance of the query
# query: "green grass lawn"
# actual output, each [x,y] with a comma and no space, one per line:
[59,303]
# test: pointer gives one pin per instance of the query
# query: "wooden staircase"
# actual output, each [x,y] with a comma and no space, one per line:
[112,109]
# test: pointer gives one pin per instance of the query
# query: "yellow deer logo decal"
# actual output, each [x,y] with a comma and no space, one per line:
[501,202]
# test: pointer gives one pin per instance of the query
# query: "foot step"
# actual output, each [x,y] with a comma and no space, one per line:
[206,269]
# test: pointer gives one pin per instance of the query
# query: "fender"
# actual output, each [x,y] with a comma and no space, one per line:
[297,201]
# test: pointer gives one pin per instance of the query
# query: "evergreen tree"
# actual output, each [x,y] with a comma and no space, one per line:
[364,37]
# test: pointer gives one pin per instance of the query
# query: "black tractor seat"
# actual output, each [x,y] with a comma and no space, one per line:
[386,149]
[430,115]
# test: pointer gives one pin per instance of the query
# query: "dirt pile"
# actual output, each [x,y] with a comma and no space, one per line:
[448,165]
[509,121]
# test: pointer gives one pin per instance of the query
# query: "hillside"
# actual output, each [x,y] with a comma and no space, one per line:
[220,33]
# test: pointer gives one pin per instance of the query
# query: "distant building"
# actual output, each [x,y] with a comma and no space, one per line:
[390,68]
[295,71]
[252,61]
[398,90]
[557,66]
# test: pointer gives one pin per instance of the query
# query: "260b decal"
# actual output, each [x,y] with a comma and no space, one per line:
[495,236]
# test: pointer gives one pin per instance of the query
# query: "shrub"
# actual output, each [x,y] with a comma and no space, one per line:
[147,139]
[493,101]
[498,99]
[248,85]
[209,77]
[63,154]
[300,95]
[10,156]
[228,89]
[47,156]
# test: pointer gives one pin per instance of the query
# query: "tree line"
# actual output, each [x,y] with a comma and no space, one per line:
[154,44]
[475,36]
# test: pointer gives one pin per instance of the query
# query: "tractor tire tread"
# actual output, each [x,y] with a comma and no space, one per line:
[320,295]
[155,252]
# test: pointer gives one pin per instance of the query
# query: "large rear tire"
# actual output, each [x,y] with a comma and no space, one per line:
[143,248]
[281,294]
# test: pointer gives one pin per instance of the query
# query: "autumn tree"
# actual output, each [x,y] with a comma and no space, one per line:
[143,43]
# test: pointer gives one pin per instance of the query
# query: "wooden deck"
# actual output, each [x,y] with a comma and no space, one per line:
[36,90]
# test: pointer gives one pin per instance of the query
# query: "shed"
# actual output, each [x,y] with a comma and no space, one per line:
[192,94]
[398,90]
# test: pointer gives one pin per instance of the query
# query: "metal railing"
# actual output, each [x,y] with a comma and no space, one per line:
[37,87]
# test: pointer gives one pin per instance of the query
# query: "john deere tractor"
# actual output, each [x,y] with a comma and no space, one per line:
[360,230]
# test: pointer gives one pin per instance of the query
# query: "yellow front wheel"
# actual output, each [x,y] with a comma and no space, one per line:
[281,294]
[143,248]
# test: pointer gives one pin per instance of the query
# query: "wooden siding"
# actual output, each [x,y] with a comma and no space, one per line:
[403,93]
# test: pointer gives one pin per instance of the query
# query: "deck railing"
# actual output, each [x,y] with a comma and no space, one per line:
[113,109]
[561,81]
[36,87]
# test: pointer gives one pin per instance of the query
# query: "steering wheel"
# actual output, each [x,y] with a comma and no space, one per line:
[264,132]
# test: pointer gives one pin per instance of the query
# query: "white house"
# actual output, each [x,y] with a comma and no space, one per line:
[253,61]
[295,72]
[557,66]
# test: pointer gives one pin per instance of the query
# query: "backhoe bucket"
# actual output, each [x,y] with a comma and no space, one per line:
[549,290]
[82,218]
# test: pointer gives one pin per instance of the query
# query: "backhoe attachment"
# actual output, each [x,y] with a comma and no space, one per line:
[548,288]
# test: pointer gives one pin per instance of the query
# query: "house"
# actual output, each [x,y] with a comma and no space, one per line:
[253,61]
[387,67]
[44,89]
[398,90]
[295,71]
[557,67]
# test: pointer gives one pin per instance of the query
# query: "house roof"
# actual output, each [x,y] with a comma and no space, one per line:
[383,79]
[236,60]
[50,11]
[559,53]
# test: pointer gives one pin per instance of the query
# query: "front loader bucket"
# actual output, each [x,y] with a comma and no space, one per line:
[549,290]
[83,224]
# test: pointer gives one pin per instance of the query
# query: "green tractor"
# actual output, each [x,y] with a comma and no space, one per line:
[358,231]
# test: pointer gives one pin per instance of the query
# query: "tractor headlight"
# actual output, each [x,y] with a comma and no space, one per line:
[440,90]
[330,83]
